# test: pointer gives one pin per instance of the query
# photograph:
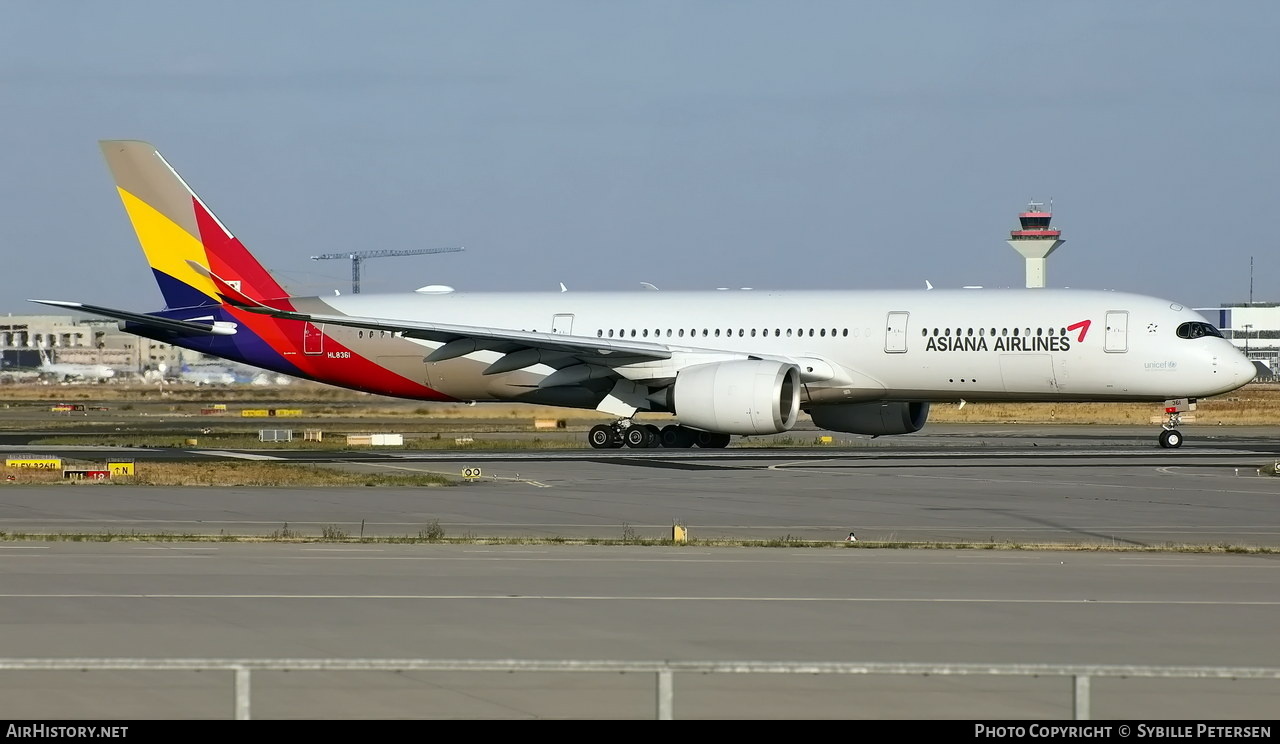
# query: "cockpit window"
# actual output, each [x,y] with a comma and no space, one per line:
[1197,330]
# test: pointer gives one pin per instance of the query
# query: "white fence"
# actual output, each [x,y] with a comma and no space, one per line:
[664,671]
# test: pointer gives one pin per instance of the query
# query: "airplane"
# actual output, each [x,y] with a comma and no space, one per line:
[207,375]
[228,374]
[723,363]
[64,371]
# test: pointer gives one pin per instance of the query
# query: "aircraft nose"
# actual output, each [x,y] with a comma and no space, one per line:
[1244,370]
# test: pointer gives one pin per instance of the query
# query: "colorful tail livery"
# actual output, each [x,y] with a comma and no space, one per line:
[744,362]
[207,278]
[175,228]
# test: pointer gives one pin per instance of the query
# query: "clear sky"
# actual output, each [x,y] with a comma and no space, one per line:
[687,144]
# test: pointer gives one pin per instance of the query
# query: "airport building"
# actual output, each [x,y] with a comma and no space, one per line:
[28,341]
[1254,327]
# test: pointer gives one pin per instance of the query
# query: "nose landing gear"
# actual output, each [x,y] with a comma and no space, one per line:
[1171,438]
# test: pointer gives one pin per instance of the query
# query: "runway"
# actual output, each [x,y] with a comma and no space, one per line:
[810,596]
[239,600]
[1069,486]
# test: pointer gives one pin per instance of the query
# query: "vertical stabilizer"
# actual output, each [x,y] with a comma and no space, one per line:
[174,226]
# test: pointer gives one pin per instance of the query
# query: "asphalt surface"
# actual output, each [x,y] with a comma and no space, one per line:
[815,597]
[1075,486]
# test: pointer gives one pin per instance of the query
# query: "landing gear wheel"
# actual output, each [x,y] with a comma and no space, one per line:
[655,435]
[1171,439]
[601,436]
[712,440]
[677,437]
[636,437]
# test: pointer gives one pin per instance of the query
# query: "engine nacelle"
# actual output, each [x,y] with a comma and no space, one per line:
[875,417]
[750,396]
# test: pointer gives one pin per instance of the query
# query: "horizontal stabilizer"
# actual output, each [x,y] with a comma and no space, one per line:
[211,328]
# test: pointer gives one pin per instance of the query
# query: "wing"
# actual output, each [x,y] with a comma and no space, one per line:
[520,348]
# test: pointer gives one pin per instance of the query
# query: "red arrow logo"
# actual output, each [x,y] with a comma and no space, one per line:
[1083,326]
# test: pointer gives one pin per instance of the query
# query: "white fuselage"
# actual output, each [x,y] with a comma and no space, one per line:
[930,345]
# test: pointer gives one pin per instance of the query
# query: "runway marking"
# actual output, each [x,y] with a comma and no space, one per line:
[1173,470]
[666,598]
[781,465]
[1074,484]
[237,455]
[669,464]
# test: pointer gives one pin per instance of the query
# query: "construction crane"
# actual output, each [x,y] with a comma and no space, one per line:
[358,256]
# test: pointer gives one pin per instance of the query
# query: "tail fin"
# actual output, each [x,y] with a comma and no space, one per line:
[175,227]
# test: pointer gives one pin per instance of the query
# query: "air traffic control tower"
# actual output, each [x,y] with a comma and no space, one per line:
[1035,241]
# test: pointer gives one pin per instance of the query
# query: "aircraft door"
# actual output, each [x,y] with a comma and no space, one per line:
[1117,339]
[1028,373]
[562,323]
[895,336]
[312,339]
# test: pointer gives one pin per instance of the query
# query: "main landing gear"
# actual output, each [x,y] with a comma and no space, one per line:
[647,436]
[1171,438]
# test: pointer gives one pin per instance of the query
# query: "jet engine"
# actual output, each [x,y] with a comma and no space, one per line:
[750,396]
[876,417]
